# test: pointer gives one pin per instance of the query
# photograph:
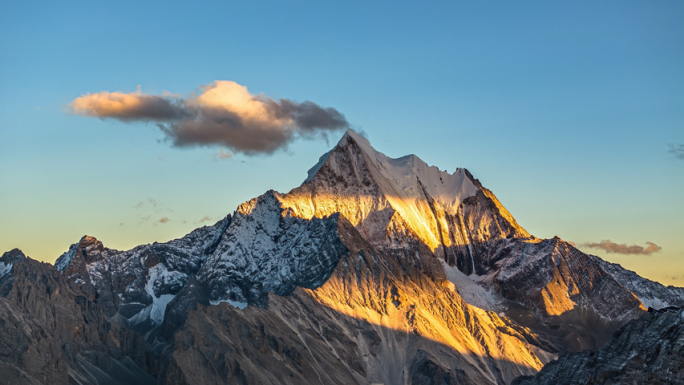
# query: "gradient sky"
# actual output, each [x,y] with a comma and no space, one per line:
[565,110]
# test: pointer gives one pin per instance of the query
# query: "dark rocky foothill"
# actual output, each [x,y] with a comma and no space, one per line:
[648,350]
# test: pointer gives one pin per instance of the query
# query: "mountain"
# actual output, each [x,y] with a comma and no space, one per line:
[648,350]
[374,270]
[571,299]
[51,333]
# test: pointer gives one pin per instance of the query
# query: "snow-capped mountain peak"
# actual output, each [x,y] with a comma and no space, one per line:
[409,177]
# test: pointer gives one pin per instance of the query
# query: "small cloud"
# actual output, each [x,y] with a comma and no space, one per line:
[622,248]
[152,201]
[121,224]
[204,219]
[145,218]
[676,149]
[164,220]
[572,243]
[221,155]
[139,205]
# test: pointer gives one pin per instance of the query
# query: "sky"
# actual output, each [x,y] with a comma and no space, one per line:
[572,113]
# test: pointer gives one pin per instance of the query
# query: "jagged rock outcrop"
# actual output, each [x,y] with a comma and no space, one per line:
[135,286]
[648,350]
[52,333]
[266,249]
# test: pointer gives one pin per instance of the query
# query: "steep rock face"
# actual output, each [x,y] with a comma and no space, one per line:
[578,304]
[261,249]
[135,286]
[651,294]
[393,200]
[266,249]
[53,334]
[379,318]
[648,350]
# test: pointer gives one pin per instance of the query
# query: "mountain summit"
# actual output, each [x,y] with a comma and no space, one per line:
[374,270]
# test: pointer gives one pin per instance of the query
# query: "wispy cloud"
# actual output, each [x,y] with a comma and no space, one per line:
[223,113]
[164,220]
[676,149]
[206,218]
[622,248]
[222,155]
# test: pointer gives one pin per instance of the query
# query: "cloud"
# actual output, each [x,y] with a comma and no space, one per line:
[164,220]
[677,150]
[221,155]
[621,248]
[152,201]
[223,113]
[206,218]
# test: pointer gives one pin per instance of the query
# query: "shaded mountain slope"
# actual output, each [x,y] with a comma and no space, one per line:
[648,350]
[52,333]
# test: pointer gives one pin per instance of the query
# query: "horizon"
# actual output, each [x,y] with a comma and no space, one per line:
[570,114]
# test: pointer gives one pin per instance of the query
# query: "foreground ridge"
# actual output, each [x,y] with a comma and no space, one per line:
[648,350]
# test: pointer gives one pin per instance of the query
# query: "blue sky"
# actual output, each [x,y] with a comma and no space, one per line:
[564,109]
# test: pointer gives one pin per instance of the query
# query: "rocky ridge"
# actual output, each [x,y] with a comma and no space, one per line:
[53,333]
[648,350]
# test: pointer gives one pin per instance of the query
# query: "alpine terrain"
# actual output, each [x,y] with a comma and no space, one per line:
[374,271]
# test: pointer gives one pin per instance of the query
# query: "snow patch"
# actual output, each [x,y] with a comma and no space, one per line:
[655,303]
[158,303]
[235,304]
[156,310]
[65,259]
[468,288]
[4,269]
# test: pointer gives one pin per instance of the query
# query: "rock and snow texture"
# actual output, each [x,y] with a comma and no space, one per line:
[648,350]
[266,249]
[5,268]
[651,294]
[52,333]
[383,197]
[471,291]
[408,178]
[394,202]
[379,318]
[136,285]
[261,249]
